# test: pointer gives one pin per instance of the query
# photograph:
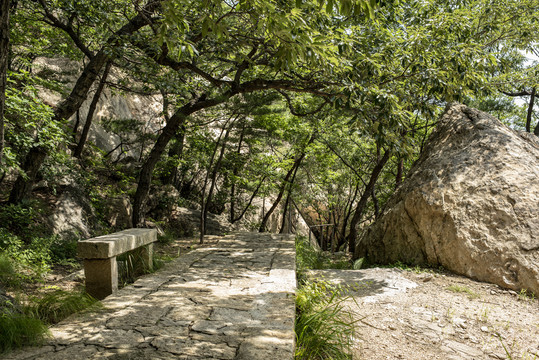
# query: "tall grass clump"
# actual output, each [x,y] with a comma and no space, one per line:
[324,327]
[17,330]
[55,306]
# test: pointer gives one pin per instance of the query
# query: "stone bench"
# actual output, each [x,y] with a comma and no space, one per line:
[99,254]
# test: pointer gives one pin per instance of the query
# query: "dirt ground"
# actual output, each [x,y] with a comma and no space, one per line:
[429,315]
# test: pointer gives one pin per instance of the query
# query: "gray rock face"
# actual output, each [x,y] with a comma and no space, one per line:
[73,214]
[118,212]
[470,204]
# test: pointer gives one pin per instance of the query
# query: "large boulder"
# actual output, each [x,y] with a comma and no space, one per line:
[470,204]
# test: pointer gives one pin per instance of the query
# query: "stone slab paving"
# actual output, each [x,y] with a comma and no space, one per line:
[234,300]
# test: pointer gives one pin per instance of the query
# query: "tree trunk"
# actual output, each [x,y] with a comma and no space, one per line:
[204,209]
[348,212]
[32,162]
[4,51]
[93,105]
[360,208]
[234,175]
[250,201]
[286,204]
[530,111]
[145,177]
[263,225]
[176,150]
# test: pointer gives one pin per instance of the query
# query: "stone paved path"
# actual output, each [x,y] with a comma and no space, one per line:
[234,300]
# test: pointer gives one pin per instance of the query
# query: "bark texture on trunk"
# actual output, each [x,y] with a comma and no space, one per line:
[360,208]
[4,51]
[530,111]
[91,110]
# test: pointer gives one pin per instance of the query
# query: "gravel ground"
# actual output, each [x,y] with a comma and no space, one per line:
[429,315]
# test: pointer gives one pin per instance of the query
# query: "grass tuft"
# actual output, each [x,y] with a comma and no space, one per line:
[324,327]
[18,330]
[58,305]
[464,289]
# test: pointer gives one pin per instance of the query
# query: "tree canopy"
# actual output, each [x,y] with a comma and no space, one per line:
[318,105]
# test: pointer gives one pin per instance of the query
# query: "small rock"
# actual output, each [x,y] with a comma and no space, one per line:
[493,292]
[460,323]
[484,329]
[514,293]
[392,327]
[497,356]
[426,277]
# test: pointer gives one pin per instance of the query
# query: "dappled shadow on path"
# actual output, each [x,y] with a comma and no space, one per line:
[369,285]
[231,301]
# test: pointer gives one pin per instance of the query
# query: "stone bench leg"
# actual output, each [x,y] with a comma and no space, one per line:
[143,259]
[101,277]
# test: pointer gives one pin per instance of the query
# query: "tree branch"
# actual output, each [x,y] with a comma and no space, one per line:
[68,28]
[297,113]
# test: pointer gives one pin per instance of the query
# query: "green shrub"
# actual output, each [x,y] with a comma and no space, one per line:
[307,257]
[8,275]
[57,305]
[324,327]
[17,217]
[18,330]
[63,251]
[167,238]
[32,259]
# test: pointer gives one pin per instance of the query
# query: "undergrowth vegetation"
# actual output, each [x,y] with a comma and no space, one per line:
[17,330]
[57,305]
[308,257]
[324,326]
[27,254]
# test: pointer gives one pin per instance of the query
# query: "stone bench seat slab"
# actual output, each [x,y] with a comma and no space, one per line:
[107,246]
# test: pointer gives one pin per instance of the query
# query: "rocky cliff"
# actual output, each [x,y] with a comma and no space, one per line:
[470,204]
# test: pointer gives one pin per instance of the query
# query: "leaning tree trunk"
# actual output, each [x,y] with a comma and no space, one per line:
[287,202]
[170,130]
[530,111]
[362,204]
[213,180]
[246,207]
[234,175]
[93,105]
[264,223]
[296,164]
[145,177]
[4,47]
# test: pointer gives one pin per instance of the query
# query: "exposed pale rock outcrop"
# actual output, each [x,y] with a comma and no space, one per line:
[470,204]
[73,215]
[111,105]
